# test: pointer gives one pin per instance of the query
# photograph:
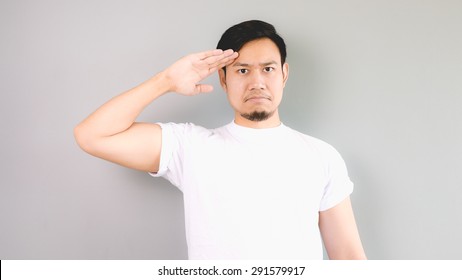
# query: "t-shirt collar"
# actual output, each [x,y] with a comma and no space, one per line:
[255,134]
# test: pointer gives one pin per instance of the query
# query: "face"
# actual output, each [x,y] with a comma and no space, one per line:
[255,81]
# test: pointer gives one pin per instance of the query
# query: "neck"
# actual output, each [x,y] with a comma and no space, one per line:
[272,121]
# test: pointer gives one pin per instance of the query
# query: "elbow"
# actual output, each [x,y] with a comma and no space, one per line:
[357,254]
[83,138]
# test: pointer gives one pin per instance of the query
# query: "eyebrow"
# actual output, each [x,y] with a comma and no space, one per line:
[264,64]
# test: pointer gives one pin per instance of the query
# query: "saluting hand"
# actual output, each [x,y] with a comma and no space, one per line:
[185,75]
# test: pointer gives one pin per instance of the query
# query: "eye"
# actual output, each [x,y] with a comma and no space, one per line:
[268,69]
[243,71]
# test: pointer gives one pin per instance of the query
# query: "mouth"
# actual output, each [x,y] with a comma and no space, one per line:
[257,98]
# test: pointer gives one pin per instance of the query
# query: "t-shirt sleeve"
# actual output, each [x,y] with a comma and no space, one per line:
[339,185]
[172,152]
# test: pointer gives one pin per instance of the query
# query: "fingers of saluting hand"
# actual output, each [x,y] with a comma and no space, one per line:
[216,59]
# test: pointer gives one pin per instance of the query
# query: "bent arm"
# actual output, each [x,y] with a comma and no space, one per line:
[111,132]
[340,234]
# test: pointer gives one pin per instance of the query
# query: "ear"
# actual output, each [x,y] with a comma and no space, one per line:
[285,73]
[222,76]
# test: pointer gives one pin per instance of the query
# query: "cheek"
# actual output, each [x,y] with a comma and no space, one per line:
[235,87]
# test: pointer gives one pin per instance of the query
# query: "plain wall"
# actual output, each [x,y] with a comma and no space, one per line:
[379,80]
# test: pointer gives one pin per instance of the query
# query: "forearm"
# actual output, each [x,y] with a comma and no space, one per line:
[119,113]
[340,233]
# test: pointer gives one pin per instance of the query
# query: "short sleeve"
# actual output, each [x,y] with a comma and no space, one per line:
[339,185]
[171,155]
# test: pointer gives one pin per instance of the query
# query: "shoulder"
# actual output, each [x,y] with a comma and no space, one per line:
[189,130]
[312,141]
[326,152]
[183,127]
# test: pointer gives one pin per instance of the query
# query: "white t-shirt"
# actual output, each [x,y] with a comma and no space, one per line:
[252,193]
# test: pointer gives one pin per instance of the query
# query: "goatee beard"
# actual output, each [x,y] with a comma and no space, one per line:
[257,116]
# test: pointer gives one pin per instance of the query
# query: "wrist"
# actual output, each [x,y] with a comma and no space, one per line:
[161,83]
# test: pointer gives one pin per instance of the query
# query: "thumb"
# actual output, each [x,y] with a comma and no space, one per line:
[201,88]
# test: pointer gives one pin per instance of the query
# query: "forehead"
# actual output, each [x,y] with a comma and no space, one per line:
[258,51]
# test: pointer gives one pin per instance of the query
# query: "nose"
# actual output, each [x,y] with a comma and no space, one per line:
[257,81]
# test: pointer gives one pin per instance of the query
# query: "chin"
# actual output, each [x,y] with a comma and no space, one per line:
[257,116]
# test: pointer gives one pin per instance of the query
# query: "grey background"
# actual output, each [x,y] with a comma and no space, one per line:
[379,80]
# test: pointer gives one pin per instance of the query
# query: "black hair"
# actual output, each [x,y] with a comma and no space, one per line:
[238,35]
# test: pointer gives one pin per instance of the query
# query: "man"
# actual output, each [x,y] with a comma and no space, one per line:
[253,189]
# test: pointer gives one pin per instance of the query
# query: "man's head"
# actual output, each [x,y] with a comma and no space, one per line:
[240,34]
[254,82]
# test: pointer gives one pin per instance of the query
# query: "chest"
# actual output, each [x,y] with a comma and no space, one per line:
[272,175]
